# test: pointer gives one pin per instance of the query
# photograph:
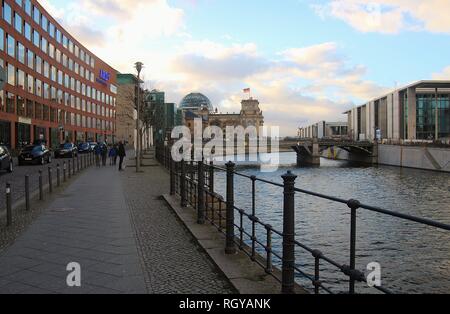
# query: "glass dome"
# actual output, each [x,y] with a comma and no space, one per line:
[196,101]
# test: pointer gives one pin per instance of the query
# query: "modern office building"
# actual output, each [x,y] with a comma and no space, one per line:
[417,112]
[56,89]
[163,115]
[324,129]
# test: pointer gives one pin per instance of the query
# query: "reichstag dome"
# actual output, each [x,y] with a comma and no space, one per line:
[196,101]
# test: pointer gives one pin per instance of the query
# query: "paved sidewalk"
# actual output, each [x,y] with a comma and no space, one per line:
[87,224]
[121,232]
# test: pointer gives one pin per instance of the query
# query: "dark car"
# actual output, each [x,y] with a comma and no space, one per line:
[6,160]
[67,150]
[35,154]
[85,148]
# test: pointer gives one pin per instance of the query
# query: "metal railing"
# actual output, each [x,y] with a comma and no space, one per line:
[56,176]
[193,182]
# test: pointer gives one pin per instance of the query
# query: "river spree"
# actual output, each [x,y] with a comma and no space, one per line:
[413,258]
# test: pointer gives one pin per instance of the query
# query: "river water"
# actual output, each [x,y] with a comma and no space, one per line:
[413,258]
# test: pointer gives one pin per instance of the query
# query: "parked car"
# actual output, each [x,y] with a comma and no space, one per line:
[35,154]
[85,148]
[6,160]
[67,150]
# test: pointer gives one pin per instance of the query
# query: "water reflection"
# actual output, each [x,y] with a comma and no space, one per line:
[414,258]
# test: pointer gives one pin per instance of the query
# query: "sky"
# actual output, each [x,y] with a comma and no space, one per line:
[305,61]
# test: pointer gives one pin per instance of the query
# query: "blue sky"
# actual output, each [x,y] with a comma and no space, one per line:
[304,60]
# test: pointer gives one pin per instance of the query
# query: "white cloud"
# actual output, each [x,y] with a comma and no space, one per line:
[389,16]
[443,75]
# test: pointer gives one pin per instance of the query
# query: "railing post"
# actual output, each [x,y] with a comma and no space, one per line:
[183,184]
[211,177]
[172,177]
[50,183]
[58,176]
[8,205]
[287,281]
[200,194]
[353,205]
[27,193]
[230,245]
[41,188]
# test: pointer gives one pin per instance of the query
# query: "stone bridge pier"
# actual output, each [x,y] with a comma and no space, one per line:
[308,154]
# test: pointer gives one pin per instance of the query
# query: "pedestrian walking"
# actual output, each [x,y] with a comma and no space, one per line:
[116,147]
[112,155]
[104,150]
[98,153]
[122,154]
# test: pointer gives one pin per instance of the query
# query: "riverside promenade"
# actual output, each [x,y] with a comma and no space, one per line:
[116,226]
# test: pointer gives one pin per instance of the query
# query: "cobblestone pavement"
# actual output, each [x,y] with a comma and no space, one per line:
[174,263]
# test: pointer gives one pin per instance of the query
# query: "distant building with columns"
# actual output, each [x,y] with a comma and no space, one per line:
[417,112]
[197,105]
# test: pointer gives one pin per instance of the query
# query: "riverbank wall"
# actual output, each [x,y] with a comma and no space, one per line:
[417,157]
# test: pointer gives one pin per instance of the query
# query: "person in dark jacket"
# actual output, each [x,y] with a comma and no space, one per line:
[98,153]
[104,154]
[112,155]
[122,154]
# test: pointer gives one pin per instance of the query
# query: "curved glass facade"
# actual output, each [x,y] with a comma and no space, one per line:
[196,100]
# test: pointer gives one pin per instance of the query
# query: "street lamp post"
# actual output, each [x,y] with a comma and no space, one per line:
[139,66]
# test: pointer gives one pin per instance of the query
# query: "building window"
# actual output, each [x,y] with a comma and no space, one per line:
[21,53]
[36,38]
[18,23]
[20,106]
[38,88]
[29,108]
[36,15]
[38,64]
[7,13]
[38,111]
[10,102]
[30,84]
[20,79]
[11,45]
[28,7]
[11,73]
[27,31]
[44,23]
[2,39]
[30,59]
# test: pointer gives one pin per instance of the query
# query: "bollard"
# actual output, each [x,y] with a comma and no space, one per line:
[288,261]
[41,187]
[58,176]
[50,183]
[8,205]
[73,166]
[200,194]
[27,193]
[64,171]
[172,177]
[183,184]
[230,245]
[78,163]
[70,169]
